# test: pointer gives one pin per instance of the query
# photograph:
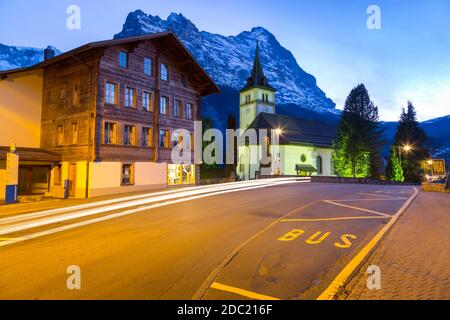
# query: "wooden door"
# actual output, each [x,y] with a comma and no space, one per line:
[72,180]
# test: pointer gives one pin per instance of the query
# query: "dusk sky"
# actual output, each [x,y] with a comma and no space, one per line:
[407,59]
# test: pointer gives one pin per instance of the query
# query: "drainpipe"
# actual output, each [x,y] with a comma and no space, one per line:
[156,115]
[92,112]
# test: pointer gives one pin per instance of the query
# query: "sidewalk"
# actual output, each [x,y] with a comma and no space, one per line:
[415,257]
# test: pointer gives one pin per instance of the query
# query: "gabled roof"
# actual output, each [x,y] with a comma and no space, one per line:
[210,86]
[297,130]
[257,77]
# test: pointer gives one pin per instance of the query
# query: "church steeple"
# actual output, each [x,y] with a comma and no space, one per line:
[257,77]
[258,96]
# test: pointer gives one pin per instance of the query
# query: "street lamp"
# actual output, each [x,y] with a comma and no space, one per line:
[407,148]
[430,163]
[279,131]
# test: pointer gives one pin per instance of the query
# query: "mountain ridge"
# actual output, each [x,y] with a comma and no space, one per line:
[229,59]
[218,107]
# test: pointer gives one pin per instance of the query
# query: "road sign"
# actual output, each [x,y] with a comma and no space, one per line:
[439,167]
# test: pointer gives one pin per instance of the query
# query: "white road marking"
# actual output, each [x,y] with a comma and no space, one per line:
[342,278]
[333,219]
[357,208]
[376,195]
[386,199]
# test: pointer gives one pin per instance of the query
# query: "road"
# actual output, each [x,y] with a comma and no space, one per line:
[268,239]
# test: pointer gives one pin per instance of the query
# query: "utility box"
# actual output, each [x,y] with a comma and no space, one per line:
[12,176]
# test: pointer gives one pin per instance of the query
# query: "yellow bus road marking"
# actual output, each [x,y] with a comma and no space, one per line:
[357,208]
[342,278]
[334,219]
[242,292]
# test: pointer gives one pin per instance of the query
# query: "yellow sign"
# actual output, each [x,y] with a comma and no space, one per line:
[12,169]
[439,167]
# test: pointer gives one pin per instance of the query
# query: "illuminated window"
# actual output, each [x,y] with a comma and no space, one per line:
[177,139]
[110,133]
[123,59]
[319,165]
[74,133]
[164,72]
[164,139]
[148,63]
[180,174]
[129,135]
[111,93]
[189,111]
[164,105]
[147,137]
[177,109]
[147,101]
[130,97]
[127,174]
[60,135]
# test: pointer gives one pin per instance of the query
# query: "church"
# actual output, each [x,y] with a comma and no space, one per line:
[305,146]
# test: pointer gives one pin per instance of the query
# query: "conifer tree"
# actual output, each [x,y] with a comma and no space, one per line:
[409,133]
[359,141]
[394,170]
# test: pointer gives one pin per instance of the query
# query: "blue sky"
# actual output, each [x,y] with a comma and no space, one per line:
[407,59]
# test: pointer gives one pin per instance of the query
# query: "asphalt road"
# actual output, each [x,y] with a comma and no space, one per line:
[256,240]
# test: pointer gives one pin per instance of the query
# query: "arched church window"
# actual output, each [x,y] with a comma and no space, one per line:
[319,165]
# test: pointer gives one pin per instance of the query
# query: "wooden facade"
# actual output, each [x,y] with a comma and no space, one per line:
[89,73]
[76,110]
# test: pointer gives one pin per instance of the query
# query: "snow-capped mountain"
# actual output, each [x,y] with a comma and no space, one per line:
[18,57]
[229,59]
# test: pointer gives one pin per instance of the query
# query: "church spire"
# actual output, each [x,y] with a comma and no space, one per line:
[257,77]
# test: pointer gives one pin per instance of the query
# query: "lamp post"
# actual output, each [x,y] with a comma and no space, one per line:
[407,148]
[430,163]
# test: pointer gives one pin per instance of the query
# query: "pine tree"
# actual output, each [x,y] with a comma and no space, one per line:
[359,141]
[394,170]
[409,133]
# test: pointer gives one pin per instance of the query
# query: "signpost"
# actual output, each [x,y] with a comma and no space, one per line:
[438,167]
[12,175]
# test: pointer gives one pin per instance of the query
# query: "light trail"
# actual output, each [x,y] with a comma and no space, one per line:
[113,207]
[45,213]
[136,210]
